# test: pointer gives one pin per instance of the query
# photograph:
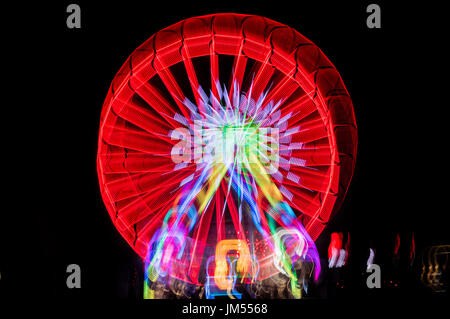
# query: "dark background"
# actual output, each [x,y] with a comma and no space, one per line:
[395,76]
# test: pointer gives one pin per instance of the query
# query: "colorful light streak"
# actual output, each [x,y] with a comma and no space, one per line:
[270,156]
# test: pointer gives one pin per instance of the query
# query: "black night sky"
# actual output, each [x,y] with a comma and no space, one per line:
[391,74]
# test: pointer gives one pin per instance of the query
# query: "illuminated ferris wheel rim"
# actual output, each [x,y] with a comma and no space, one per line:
[175,44]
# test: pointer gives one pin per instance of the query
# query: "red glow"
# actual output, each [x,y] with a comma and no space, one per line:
[412,251]
[397,244]
[335,244]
